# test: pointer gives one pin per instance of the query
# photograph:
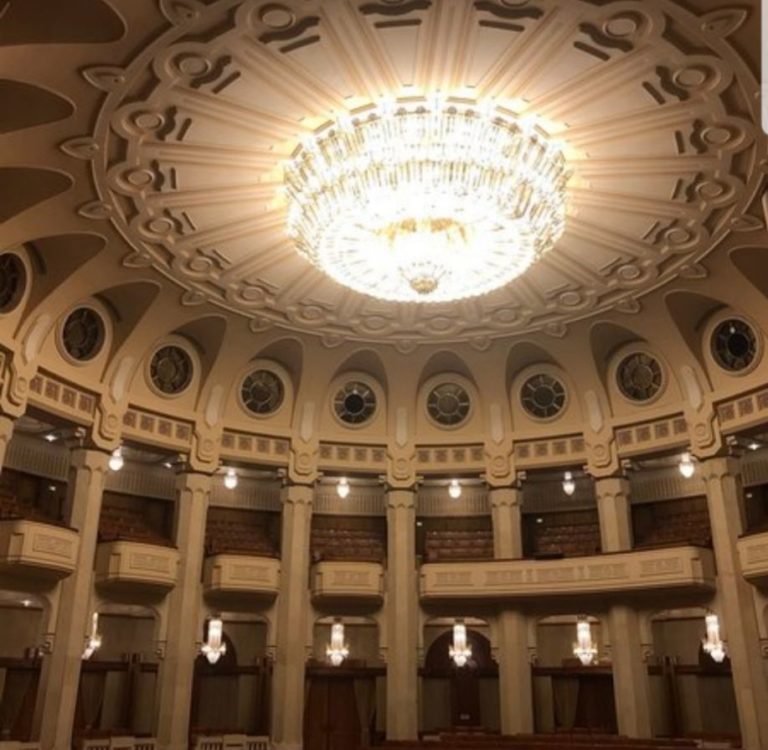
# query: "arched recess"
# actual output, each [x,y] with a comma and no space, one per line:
[605,340]
[750,262]
[367,361]
[54,259]
[128,304]
[524,354]
[207,334]
[443,362]
[72,22]
[23,105]
[287,352]
[24,187]
[690,312]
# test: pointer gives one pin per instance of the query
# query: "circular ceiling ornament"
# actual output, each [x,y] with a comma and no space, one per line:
[639,377]
[426,200]
[734,345]
[82,335]
[262,392]
[13,281]
[543,396]
[355,403]
[194,135]
[448,404]
[170,370]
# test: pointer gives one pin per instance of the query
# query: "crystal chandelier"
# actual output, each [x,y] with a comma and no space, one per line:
[460,651]
[584,649]
[337,650]
[426,199]
[713,644]
[214,647]
[93,641]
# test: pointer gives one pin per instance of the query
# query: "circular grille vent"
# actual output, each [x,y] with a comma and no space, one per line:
[734,345]
[12,281]
[355,403]
[262,392]
[543,396]
[448,404]
[639,376]
[83,334]
[170,370]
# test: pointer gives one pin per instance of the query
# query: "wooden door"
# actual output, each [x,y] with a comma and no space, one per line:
[596,706]
[465,694]
[330,718]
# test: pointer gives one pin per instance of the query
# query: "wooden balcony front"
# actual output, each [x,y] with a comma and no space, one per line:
[753,554]
[348,579]
[131,565]
[241,574]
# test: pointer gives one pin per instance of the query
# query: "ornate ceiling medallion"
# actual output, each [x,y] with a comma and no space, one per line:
[426,200]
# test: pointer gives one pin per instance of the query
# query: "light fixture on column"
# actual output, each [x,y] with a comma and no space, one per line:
[214,647]
[116,460]
[342,488]
[230,479]
[569,485]
[713,644]
[460,651]
[584,649]
[337,650]
[686,465]
[93,641]
[454,489]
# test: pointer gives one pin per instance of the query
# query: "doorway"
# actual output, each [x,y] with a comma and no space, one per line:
[331,720]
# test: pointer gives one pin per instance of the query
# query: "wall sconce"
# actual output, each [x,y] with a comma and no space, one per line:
[214,647]
[93,641]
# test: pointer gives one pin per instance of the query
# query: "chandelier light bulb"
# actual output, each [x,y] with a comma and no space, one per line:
[93,641]
[584,649]
[230,479]
[454,489]
[686,465]
[50,437]
[460,651]
[754,445]
[337,650]
[569,484]
[427,199]
[713,644]
[214,647]
[342,488]
[116,460]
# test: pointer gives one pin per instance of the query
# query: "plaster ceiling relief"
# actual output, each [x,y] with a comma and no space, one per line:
[656,109]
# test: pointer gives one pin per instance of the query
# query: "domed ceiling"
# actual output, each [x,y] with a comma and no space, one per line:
[186,112]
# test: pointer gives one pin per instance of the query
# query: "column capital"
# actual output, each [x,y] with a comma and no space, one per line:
[397,497]
[298,494]
[611,486]
[718,468]
[90,459]
[193,481]
[505,497]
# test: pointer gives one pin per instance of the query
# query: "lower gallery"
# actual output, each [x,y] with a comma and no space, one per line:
[383,373]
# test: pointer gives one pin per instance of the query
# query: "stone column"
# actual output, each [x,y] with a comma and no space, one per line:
[722,478]
[506,516]
[292,609]
[402,617]
[60,676]
[183,627]
[631,685]
[615,513]
[515,679]
[6,432]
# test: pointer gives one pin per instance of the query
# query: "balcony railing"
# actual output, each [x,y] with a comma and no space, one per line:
[242,574]
[128,564]
[677,568]
[37,549]
[753,554]
[348,579]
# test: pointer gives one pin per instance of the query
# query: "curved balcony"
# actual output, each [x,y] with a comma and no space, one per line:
[241,574]
[38,550]
[753,554]
[348,579]
[124,564]
[677,568]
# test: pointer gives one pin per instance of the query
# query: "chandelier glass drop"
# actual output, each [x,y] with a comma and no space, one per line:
[427,199]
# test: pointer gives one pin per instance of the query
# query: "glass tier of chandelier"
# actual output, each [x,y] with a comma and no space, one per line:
[426,199]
